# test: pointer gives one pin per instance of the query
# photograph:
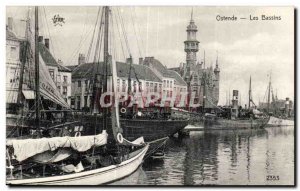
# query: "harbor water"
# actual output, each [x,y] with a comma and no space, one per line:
[242,157]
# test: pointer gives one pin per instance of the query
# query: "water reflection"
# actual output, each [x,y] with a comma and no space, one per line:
[225,158]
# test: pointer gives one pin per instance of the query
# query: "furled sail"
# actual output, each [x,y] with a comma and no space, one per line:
[117,130]
[48,88]
[26,148]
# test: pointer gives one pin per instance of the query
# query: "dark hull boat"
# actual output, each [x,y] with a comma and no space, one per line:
[216,123]
[133,128]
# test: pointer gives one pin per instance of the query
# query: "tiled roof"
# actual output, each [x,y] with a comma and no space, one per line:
[164,70]
[141,72]
[49,59]
[176,76]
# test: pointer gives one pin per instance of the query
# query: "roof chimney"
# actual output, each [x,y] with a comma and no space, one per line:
[129,60]
[81,59]
[141,61]
[10,23]
[47,43]
[41,39]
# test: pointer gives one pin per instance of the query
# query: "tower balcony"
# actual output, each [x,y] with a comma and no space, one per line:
[191,46]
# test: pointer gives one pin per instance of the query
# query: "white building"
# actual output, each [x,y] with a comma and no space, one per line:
[147,76]
[12,64]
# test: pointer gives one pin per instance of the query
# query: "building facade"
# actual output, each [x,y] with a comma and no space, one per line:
[148,76]
[14,45]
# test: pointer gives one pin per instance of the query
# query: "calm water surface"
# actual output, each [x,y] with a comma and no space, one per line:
[223,158]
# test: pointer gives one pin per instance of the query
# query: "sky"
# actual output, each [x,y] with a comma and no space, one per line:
[245,48]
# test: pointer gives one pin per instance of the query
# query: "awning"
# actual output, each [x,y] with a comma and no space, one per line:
[28,94]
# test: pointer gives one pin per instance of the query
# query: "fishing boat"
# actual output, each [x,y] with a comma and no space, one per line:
[79,160]
[235,117]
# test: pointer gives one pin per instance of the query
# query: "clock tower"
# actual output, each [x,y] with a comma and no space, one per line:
[191,47]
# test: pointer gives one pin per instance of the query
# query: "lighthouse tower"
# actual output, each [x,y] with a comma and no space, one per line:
[191,47]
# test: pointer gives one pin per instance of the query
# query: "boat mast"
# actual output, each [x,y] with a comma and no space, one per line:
[269,95]
[23,58]
[106,59]
[129,75]
[204,82]
[249,101]
[37,77]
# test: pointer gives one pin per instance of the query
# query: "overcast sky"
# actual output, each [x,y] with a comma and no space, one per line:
[245,47]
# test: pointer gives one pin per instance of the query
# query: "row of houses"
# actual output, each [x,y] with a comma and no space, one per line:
[149,75]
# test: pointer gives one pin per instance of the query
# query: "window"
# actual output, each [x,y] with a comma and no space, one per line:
[12,75]
[58,87]
[155,87]
[65,79]
[134,86]
[164,83]
[160,85]
[65,90]
[78,102]
[123,86]
[51,73]
[86,85]
[171,84]
[167,83]
[118,85]
[72,103]
[147,86]
[151,87]
[13,53]
[58,78]
[79,84]
[85,101]
[140,86]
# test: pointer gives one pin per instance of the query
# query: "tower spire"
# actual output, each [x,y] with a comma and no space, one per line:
[192,14]
[204,59]
[217,61]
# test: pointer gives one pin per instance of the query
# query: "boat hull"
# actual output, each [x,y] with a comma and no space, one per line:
[150,129]
[92,177]
[226,124]
[276,122]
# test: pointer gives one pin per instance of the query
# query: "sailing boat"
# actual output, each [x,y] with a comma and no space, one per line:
[277,117]
[82,160]
[232,118]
